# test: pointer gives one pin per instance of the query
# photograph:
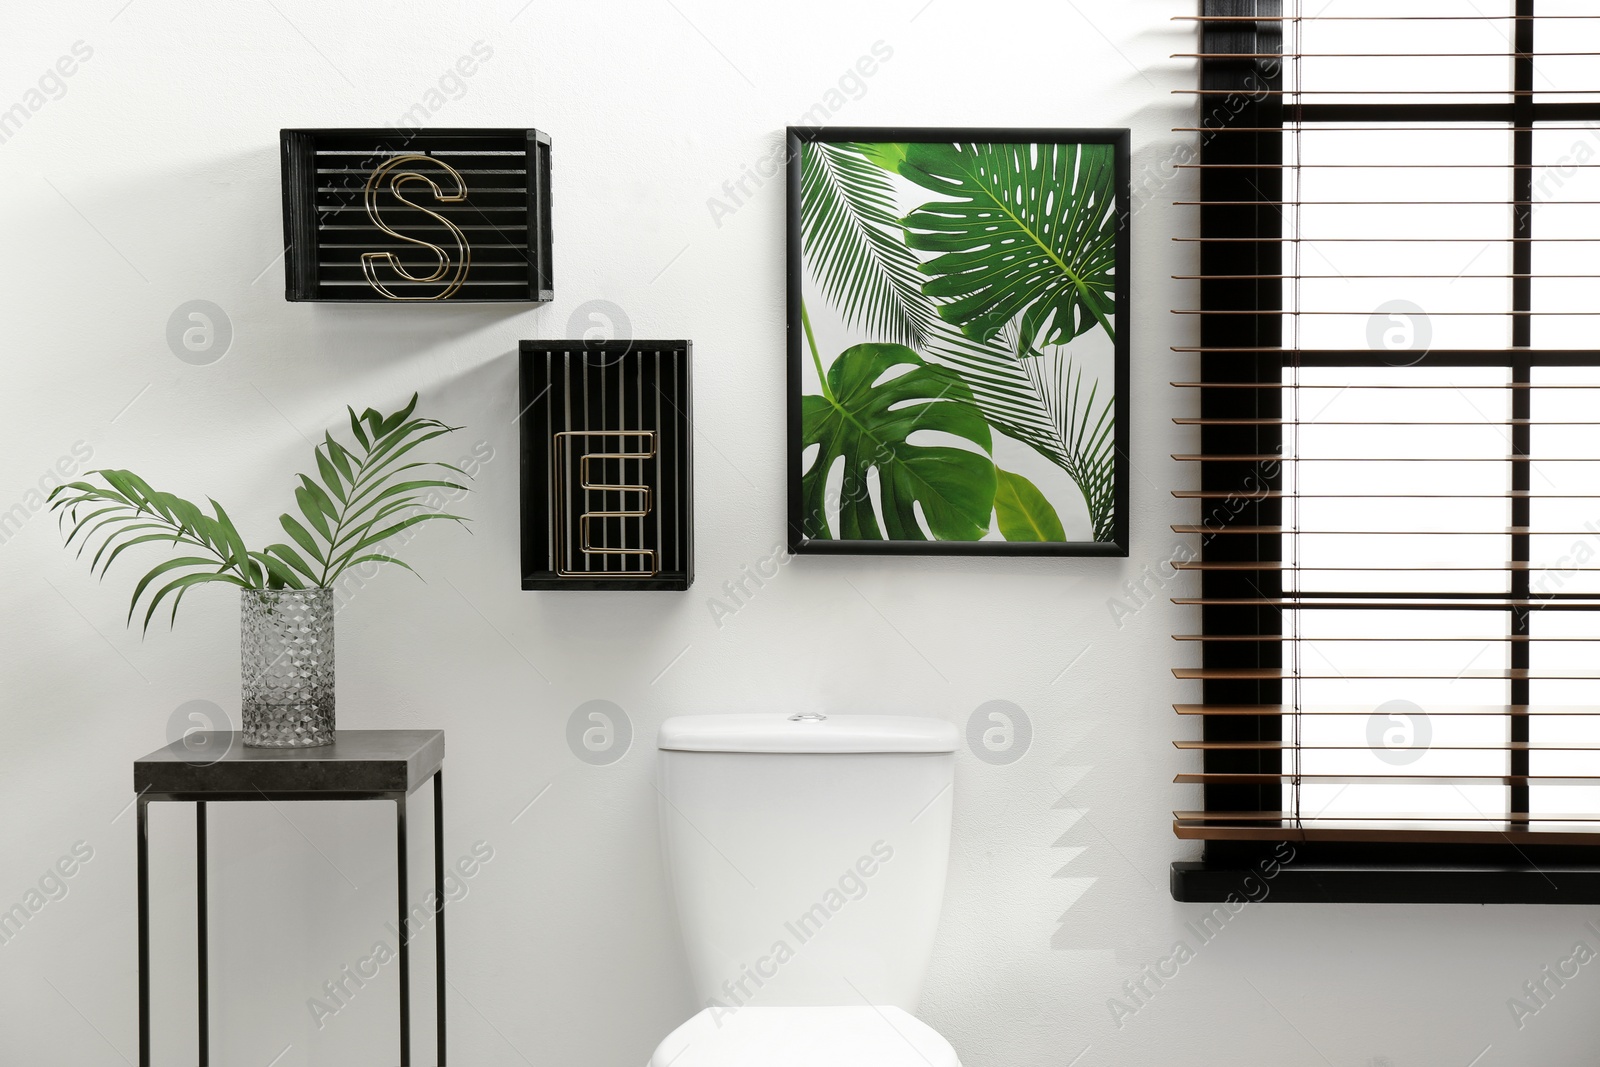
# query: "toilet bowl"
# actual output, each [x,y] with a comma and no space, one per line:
[806,856]
[806,1037]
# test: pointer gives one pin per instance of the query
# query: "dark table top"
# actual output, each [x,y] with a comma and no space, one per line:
[359,762]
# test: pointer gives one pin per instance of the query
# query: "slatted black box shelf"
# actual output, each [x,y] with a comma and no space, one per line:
[492,185]
[607,464]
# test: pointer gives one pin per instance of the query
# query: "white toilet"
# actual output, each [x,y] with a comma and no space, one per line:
[807,856]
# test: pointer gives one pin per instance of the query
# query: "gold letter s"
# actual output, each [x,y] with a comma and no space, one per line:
[390,175]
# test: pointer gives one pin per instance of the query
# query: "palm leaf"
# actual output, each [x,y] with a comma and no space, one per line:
[376,558]
[126,512]
[292,558]
[851,237]
[238,554]
[281,571]
[1025,230]
[1041,401]
[181,585]
[364,539]
[340,456]
[399,417]
[118,512]
[371,499]
[301,536]
[364,495]
[356,431]
[1013,400]
[1087,426]
[122,544]
[330,474]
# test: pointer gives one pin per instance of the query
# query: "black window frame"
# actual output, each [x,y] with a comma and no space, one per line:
[1247,94]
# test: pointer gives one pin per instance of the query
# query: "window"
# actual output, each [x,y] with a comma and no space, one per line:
[1398,490]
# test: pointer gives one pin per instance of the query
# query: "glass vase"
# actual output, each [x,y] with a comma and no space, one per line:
[286,657]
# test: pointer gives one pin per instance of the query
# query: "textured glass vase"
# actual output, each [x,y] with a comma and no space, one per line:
[286,654]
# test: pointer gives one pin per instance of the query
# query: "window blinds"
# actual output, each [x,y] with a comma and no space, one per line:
[1395,485]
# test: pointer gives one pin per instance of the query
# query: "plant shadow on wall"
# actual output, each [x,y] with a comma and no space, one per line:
[362,499]
[971,303]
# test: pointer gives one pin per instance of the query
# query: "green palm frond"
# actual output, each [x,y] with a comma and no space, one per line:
[1026,230]
[852,237]
[125,511]
[1041,401]
[365,497]
[1087,428]
[1011,399]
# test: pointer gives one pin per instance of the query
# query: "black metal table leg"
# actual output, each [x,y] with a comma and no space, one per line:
[202,909]
[438,905]
[361,767]
[143,833]
[405,935]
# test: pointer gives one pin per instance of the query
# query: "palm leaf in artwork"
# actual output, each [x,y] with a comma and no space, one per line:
[853,240]
[1004,390]
[1087,427]
[1041,401]
[1024,230]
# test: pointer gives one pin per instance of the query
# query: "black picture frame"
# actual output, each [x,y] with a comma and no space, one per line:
[1119,140]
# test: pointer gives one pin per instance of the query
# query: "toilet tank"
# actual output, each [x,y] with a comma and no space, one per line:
[806,854]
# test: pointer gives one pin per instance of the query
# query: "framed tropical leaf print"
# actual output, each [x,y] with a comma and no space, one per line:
[958,341]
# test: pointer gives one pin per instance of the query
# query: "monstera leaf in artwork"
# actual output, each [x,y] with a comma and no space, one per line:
[1025,230]
[874,398]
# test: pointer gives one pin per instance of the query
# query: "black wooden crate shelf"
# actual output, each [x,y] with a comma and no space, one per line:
[607,465]
[493,186]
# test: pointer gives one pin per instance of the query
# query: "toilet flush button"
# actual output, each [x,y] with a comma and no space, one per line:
[808,716]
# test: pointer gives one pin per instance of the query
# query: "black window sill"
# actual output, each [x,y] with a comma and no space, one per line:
[1344,883]
[1326,872]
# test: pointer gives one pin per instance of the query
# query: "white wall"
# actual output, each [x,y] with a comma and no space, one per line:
[154,180]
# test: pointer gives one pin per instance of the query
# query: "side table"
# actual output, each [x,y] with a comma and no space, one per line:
[360,765]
